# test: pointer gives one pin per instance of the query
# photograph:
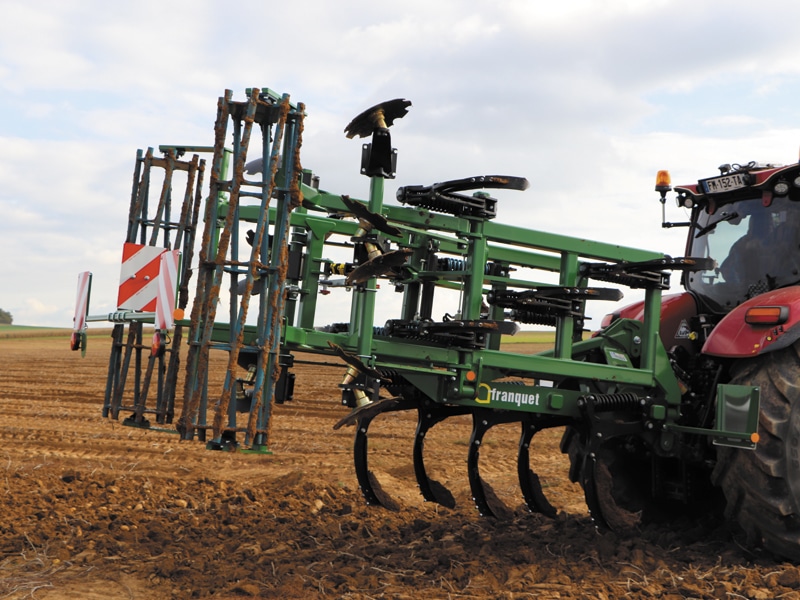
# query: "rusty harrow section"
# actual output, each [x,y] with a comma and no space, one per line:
[133,370]
[257,271]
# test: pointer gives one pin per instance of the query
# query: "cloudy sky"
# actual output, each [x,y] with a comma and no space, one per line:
[587,99]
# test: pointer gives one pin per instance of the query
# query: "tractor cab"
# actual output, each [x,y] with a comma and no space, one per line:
[748,221]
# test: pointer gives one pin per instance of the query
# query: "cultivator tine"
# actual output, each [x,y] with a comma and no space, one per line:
[370,487]
[486,501]
[528,480]
[428,416]
[589,484]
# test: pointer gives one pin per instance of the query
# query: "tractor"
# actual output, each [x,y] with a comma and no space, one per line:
[736,322]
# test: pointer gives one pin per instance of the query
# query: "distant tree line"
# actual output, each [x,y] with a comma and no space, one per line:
[5,317]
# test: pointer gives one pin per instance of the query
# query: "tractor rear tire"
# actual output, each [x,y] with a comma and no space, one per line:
[762,486]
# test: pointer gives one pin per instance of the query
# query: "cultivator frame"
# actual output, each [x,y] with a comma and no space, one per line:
[440,364]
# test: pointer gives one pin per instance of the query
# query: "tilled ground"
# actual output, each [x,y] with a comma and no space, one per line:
[93,509]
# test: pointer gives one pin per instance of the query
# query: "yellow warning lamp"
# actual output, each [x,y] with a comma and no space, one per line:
[663,184]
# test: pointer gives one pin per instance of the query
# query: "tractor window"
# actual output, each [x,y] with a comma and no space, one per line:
[756,249]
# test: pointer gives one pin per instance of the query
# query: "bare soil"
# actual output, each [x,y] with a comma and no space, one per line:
[92,509]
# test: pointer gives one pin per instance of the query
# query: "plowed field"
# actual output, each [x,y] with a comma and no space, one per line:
[92,509]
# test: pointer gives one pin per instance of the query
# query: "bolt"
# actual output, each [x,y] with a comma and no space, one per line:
[637,340]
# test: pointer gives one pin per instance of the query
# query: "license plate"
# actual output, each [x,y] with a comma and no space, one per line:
[725,183]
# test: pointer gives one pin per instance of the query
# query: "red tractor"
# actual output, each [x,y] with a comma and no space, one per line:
[738,322]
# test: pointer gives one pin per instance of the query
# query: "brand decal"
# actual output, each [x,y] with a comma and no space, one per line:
[488,394]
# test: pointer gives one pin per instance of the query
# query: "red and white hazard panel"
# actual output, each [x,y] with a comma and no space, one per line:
[82,303]
[167,285]
[138,279]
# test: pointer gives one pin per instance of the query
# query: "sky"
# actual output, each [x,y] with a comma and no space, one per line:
[586,99]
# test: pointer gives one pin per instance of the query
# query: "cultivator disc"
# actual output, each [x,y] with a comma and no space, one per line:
[380,116]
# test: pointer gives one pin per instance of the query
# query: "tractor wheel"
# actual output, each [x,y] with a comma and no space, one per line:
[618,484]
[762,486]
[612,482]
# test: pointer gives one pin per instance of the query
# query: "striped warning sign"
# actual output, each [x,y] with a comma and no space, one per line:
[82,303]
[138,280]
[167,284]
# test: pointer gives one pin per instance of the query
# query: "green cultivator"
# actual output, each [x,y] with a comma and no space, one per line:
[646,409]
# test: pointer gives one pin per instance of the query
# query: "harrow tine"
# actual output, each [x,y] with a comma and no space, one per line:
[486,501]
[528,480]
[370,486]
[362,416]
[428,416]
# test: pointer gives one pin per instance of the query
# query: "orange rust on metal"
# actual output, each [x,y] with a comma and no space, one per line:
[214,271]
[296,200]
[166,188]
[280,274]
[136,206]
[233,357]
[294,188]
[178,165]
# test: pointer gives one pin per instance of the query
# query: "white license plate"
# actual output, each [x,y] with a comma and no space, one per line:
[726,183]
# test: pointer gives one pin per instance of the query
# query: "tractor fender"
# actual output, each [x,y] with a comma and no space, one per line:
[733,337]
[676,313]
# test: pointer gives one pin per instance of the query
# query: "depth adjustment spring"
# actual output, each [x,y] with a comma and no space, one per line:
[610,402]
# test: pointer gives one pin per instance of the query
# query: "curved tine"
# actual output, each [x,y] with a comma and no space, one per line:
[479,427]
[486,501]
[528,480]
[589,484]
[370,487]
[431,490]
